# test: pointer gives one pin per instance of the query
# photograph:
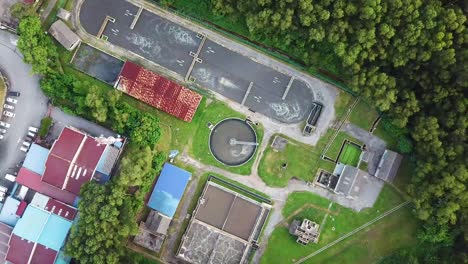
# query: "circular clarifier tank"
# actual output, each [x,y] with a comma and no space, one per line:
[233,142]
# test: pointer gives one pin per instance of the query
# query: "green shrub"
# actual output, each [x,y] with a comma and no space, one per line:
[46,122]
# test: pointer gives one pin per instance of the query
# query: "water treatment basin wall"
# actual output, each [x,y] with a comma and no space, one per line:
[233,142]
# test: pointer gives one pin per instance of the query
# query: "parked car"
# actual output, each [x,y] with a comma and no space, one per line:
[26,144]
[13,93]
[24,149]
[7,106]
[33,129]
[11,100]
[10,177]
[2,130]
[31,135]
[3,189]
[4,124]
[1,137]
[8,113]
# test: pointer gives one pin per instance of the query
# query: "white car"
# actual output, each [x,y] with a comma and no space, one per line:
[3,131]
[31,135]
[24,149]
[11,100]
[1,137]
[3,124]
[7,106]
[26,144]
[33,129]
[8,113]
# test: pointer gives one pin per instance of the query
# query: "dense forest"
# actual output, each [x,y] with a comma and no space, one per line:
[408,57]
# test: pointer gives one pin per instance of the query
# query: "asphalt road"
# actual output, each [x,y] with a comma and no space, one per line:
[221,70]
[62,120]
[31,106]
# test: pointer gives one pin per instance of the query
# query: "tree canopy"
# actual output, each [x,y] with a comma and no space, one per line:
[36,47]
[407,57]
[108,212]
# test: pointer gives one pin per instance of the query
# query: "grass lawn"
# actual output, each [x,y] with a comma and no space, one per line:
[137,258]
[363,115]
[390,139]
[350,155]
[405,173]
[336,145]
[342,103]
[215,111]
[368,246]
[282,247]
[301,160]
[53,14]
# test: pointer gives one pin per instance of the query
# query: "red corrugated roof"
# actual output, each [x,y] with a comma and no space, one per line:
[56,171]
[61,209]
[33,181]
[75,155]
[158,91]
[67,144]
[90,154]
[43,255]
[19,250]
[22,206]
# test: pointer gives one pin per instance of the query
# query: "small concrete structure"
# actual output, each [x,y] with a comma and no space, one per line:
[63,34]
[153,231]
[157,223]
[350,182]
[345,180]
[279,144]
[63,14]
[388,166]
[306,232]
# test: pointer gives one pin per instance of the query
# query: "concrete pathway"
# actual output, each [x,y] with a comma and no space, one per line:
[46,12]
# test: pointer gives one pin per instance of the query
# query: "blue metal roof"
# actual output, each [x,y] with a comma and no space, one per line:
[8,211]
[43,227]
[36,159]
[169,189]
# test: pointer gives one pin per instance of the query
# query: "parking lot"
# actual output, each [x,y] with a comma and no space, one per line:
[29,110]
[239,78]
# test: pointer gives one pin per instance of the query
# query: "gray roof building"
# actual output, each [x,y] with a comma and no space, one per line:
[152,233]
[63,14]
[63,34]
[157,223]
[350,182]
[388,165]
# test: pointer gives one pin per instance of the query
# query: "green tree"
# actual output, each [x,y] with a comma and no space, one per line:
[36,47]
[21,10]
